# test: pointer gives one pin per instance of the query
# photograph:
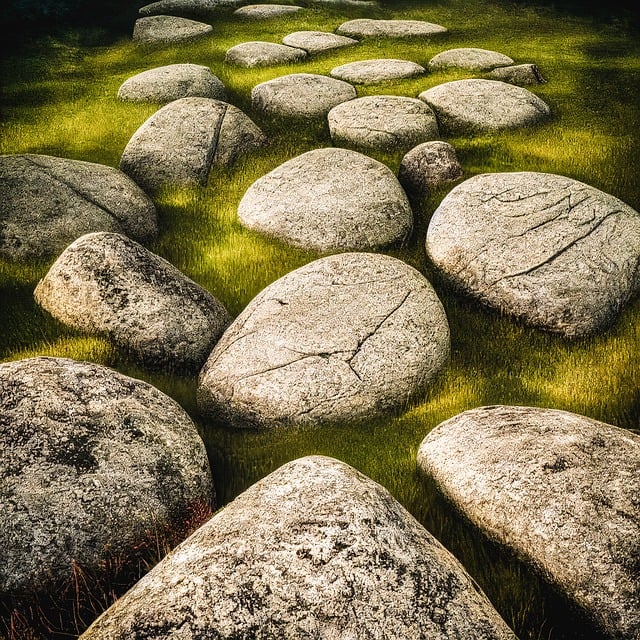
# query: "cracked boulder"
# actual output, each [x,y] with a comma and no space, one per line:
[317,41]
[201,9]
[469,58]
[344,338]
[94,465]
[48,202]
[549,250]
[328,199]
[106,284]
[266,11]
[260,54]
[168,30]
[370,28]
[560,490]
[429,165]
[380,70]
[178,145]
[521,74]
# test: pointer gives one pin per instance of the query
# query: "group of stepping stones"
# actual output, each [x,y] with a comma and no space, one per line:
[92,460]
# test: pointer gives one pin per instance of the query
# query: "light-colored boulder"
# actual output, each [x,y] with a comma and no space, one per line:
[266,11]
[549,250]
[559,489]
[317,41]
[168,30]
[259,54]
[380,70]
[521,74]
[370,28]
[189,8]
[469,58]
[48,202]
[429,165]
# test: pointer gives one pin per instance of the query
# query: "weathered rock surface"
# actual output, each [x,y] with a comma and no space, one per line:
[266,11]
[48,202]
[561,490]
[180,143]
[469,58]
[317,41]
[381,70]
[382,122]
[521,74]
[329,199]
[106,284]
[258,54]
[190,8]
[551,251]
[174,81]
[168,29]
[468,106]
[370,28]
[300,95]
[93,463]
[344,338]
[429,165]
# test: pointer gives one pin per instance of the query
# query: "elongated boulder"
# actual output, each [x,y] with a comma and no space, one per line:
[379,70]
[106,284]
[549,250]
[343,338]
[470,58]
[266,11]
[370,28]
[259,54]
[429,165]
[48,202]
[168,30]
[317,41]
[201,9]
[315,549]
[561,490]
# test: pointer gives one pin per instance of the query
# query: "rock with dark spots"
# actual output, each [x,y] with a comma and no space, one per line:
[429,165]
[559,489]
[394,123]
[93,465]
[380,70]
[521,74]
[168,30]
[317,41]
[370,28]
[549,250]
[259,54]
[329,199]
[469,58]
[472,106]
[106,284]
[48,202]
[174,81]
[266,11]
[190,8]
[346,337]
[178,145]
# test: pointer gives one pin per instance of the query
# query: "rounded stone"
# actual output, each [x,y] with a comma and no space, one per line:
[561,490]
[107,284]
[549,250]
[469,58]
[190,8]
[48,202]
[471,106]
[168,29]
[329,199]
[266,11]
[347,337]
[373,71]
[370,28]
[259,54]
[429,165]
[92,462]
[317,41]
[393,123]
[520,74]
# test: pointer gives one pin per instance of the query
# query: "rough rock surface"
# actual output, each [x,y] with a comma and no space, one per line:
[179,143]
[521,74]
[547,249]
[104,283]
[190,8]
[370,28]
[300,95]
[428,165]
[258,54]
[561,490]
[168,29]
[469,58]
[317,41]
[468,106]
[382,122]
[381,70]
[266,11]
[92,463]
[48,202]
[329,199]
[346,337]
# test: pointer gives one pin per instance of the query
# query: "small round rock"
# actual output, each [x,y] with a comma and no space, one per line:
[370,28]
[266,11]
[520,74]
[317,41]
[469,58]
[373,71]
[168,29]
[260,54]
[429,165]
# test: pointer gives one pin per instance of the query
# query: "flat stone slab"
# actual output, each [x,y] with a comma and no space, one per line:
[474,106]
[382,122]
[300,95]
[370,28]
[429,165]
[180,143]
[317,41]
[559,489]
[372,71]
[47,202]
[168,29]
[189,8]
[546,249]
[259,54]
[329,199]
[172,82]
[266,11]
[520,74]
[469,58]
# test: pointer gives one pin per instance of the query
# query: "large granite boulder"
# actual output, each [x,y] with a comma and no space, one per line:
[314,550]
[429,165]
[344,338]
[202,9]
[107,284]
[259,54]
[329,199]
[168,30]
[559,489]
[48,202]
[370,28]
[266,11]
[549,250]
[379,70]
[469,58]
[317,41]
[521,74]
[178,144]
[93,465]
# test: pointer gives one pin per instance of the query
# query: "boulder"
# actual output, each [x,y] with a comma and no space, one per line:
[549,250]
[190,8]
[392,123]
[429,165]
[168,30]
[266,11]
[178,145]
[521,74]
[373,71]
[346,337]
[469,58]
[94,465]
[560,490]
[48,202]
[370,28]
[259,54]
[329,199]
[471,106]
[317,41]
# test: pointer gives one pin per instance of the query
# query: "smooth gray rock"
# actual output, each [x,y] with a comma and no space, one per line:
[259,54]
[92,464]
[520,74]
[300,95]
[471,106]
[559,489]
[395,123]
[172,82]
[190,8]
[266,11]
[469,58]
[107,284]
[429,165]
[549,250]
[48,202]
[346,337]
[381,70]
[168,29]
[370,28]
[329,199]
[317,41]
[180,143]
